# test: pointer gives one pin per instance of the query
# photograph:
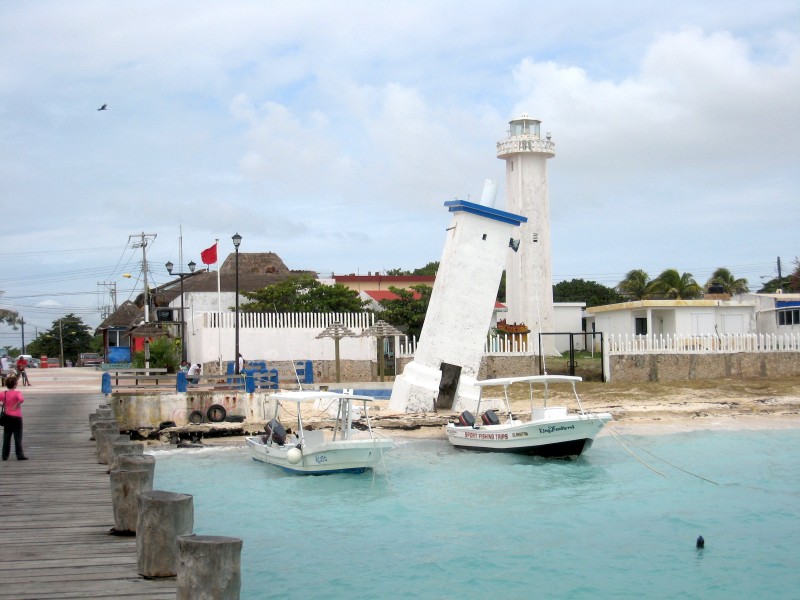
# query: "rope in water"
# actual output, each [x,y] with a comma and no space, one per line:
[618,436]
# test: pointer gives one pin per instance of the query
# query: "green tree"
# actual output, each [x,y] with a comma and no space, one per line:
[729,283]
[9,317]
[407,312]
[501,290]
[676,286]
[163,354]
[303,293]
[794,278]
[430,269]
[771,286]
[591,292]
[636,285]
[69,332]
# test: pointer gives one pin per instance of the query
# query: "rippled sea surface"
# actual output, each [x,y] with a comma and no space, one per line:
[442,523]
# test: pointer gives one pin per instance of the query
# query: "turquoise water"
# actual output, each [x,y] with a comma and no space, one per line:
[454,524]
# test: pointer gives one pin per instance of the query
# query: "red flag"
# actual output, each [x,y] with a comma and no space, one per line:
[209,255]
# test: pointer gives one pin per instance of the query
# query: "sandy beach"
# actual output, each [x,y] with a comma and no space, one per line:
[661,408]
[647,408]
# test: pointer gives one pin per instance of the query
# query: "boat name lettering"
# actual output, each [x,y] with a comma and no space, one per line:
[321,459]
[477,435]
[554,428]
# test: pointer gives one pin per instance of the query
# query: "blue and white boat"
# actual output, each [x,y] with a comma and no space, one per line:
[551,431]
[344,449]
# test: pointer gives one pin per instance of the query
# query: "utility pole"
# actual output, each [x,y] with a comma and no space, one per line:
[61,342]
[780,276]
[105,309]
[142,243]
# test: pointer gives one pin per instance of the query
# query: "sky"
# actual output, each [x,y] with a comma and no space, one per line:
[332,133]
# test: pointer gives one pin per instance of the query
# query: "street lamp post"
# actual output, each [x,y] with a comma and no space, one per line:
[170,266]
[61,343]
[237,239]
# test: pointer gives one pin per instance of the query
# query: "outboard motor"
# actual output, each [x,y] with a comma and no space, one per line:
[490,418]
[277,431]
[465,419]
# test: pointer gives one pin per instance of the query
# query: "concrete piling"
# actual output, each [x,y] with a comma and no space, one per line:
[125,488]
[104,438]
[209,567]
[123,447]
[163,516]
[102,423]
[137,462]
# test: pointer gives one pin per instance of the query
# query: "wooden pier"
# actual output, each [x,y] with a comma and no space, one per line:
[56,510]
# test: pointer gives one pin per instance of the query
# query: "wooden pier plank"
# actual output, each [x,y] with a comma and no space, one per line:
[57,514]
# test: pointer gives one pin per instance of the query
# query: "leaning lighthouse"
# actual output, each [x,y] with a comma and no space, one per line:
[529,274]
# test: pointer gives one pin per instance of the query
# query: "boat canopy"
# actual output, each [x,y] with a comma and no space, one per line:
[299,396]
[543,379]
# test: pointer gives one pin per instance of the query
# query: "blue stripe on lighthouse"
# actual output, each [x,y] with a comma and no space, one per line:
[485,211]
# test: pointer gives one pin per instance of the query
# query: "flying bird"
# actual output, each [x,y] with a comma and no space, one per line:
[104,107]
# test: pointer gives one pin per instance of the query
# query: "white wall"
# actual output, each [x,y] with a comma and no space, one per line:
[286,339]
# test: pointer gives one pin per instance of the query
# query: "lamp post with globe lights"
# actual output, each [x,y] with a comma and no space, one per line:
[237,239]
[192,266]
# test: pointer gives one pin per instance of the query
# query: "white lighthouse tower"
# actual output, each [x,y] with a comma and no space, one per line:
[451,344]
[529,272]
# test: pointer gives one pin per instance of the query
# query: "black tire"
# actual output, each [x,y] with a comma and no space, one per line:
[195,417]
[216,413]
[166,425]
[235,418]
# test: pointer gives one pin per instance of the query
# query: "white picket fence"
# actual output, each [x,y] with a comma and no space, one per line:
[250,320]
[702,344]
[662,344]
[495,344]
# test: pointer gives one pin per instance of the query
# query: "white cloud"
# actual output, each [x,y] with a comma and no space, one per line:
[332,133]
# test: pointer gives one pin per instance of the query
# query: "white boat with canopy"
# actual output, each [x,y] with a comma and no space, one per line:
[551,432]
[307,451]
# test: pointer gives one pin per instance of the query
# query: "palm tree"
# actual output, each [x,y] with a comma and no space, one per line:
[725,278]
[672,285]
[636,285]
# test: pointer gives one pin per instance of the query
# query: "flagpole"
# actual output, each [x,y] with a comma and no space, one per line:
[219,311]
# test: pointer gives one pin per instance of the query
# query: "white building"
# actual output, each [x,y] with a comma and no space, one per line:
[740,314]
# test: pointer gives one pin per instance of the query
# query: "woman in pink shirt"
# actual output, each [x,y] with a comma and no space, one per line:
[12,403]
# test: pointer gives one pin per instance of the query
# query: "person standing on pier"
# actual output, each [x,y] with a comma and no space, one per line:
[12,405]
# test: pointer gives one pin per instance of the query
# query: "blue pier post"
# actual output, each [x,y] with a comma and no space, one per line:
[105,384]
[182,383]
[249,383]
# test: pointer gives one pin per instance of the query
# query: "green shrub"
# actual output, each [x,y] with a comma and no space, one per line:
[163,354]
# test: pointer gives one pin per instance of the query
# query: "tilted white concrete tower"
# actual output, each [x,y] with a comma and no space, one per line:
[529,272]
[448,356]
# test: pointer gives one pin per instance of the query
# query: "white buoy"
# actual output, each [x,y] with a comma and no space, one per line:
[294,456]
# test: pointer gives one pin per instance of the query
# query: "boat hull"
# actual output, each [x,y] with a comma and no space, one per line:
[562,438]
[352,456]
